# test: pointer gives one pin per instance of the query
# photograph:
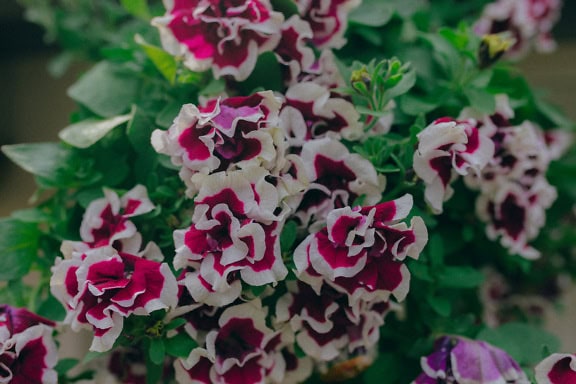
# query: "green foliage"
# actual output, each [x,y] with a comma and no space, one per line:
[18,247]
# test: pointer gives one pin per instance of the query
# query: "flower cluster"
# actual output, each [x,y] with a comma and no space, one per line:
[107,277]
[277,231]
[514,191]
[530,23]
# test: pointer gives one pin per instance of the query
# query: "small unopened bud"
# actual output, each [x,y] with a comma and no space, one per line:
[492,48]
[360,76]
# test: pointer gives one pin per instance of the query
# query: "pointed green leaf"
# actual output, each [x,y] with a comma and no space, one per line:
[164,62]
[87,132]
[18,247]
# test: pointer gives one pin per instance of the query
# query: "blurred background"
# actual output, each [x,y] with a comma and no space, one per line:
[34,108]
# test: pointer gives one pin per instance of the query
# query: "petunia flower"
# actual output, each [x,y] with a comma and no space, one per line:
[224,35]
[106,220]
[459,360]
[529,21]
[558,368]
[310,111]
[328,19]
[242,349]
[360,251]
[326,324]
[28,352]
[227,134]
[293,50]
[447,148]
[101,287]
[337,177]
[234,236]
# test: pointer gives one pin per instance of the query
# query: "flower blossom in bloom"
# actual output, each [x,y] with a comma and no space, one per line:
[234,236]
[311,112]
[328,19]
[337,177]
[558,368]
[106,220]
[327,325]
[225,35]
[100,287]
[241,349]
[228,134]
[360,251]
[514,191]
[27,350]
[293,50]
[447,148]
[459,360]
[529,21]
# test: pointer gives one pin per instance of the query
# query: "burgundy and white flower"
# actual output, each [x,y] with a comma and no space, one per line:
[225,35]
[326,324]
[328,19]
[360,251]
[337,177]
[447,148]
[234,235]
[106,220]
[27,350]
[101,287]
[28,356]
[323,71]
[312,112]
[530,22]
[516,213]
[459,360]
[558,368]
[228,134]
[242,350]
[293,50]
[17,320]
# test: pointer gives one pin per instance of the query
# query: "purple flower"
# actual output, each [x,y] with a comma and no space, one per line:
[225,35]
[558,368]
[27,351]
[458,360]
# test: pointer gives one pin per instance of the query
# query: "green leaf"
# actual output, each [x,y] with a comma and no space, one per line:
[180,345]
[523,342]
[287,7]
[460,277]
[140,130]
[31,215]
[64,365]
[440,304]
[288,235]
[403,86]
[18,247]
[106,90]
[267,75]
[87,132]
[91,355]
[414,106]
[481,100]
[51,309]
[384,370]
[372,13]
[40,159]
[138,8]
[157,351]
[436,250]
[163,61]
[176,323]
